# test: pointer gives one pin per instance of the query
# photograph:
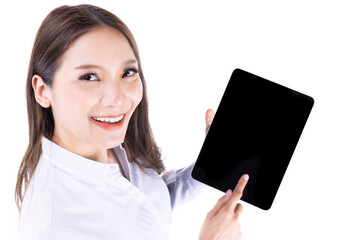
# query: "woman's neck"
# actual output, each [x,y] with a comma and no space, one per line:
[86,150]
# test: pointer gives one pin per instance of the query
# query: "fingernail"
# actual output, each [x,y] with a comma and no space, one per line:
[246,177]
[228,193]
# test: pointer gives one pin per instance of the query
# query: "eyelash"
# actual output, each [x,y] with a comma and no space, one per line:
[132,69]
[84,77]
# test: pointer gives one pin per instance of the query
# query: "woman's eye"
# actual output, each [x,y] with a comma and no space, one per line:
[89,77]
[130,72]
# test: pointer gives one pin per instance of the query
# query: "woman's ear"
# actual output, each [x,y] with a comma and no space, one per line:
[41,91]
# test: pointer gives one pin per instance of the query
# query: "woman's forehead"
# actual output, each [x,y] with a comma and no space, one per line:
[102,46]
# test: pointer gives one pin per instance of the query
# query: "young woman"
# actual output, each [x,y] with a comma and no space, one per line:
[92,169]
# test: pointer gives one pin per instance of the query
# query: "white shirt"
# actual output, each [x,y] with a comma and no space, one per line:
[73,198]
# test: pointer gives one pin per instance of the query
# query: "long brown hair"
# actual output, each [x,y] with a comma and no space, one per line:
[57,32]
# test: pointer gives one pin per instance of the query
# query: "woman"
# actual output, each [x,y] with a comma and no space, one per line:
[92,168]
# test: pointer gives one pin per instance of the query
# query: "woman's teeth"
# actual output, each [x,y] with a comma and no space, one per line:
[110,120]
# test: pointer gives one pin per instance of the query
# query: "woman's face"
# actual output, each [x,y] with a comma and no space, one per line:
[96,90]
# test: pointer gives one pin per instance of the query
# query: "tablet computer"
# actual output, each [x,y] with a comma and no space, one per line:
[255,130]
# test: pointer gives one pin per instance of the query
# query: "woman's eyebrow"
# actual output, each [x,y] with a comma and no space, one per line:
[87,66]
[130,61]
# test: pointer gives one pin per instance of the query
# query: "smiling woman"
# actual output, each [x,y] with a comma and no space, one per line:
[69,28]
[92,168]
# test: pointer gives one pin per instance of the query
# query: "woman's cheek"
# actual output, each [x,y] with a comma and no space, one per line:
[133,92]
[138,92]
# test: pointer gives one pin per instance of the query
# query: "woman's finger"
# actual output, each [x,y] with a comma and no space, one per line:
[238,210]
[209,116]
[220,204]
[237,193]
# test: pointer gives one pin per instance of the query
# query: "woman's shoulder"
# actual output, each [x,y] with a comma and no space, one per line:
[36,209]
[40,185]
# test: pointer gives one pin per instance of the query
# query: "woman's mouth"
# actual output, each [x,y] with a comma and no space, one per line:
[109,119]
[109,122]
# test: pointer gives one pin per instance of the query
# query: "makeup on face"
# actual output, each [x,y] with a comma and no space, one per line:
[96,90]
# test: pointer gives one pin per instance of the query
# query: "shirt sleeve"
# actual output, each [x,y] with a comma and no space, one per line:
[60,233]
[182,186]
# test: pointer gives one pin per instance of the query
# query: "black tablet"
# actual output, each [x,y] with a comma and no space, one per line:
[255,131]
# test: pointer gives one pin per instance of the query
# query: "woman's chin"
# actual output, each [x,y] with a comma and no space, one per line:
[110,143]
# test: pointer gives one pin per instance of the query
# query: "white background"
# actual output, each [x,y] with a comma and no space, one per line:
[188,52]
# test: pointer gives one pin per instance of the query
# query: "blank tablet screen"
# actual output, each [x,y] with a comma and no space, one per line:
[255,131]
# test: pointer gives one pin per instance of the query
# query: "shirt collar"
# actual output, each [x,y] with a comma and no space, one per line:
[82,167]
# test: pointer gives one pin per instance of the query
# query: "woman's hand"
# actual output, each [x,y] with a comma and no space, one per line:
[209,116]
[222,221]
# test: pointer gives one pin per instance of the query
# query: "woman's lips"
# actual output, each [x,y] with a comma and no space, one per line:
[109,122]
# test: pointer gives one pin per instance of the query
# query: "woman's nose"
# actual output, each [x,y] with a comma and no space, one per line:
[112,95]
